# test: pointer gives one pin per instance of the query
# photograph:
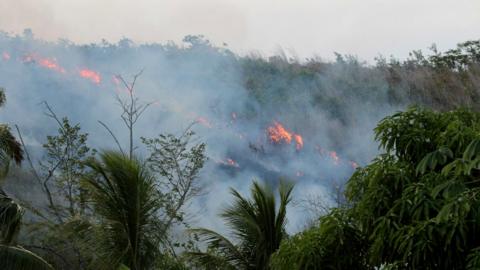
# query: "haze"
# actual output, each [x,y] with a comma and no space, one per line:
[302,28]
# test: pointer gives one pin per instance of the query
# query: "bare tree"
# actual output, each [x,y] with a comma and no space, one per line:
[132,109]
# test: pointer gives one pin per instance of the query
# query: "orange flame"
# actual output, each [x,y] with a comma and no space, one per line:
[334,157]
[6,56]
[278,134]
[204,121]
[50,63]
[299,141]
[354,164]
[91,75]
[229,162]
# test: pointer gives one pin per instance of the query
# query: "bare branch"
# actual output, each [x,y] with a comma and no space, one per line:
[113,136]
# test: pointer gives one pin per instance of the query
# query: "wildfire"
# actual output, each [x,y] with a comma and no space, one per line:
[204,121]
[354,165]
[50,63]
[91,75]
[298,141]
[229,162]
[334,157]
[6,56]
[278,134]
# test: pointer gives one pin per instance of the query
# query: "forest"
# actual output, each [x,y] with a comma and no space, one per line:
[405,200]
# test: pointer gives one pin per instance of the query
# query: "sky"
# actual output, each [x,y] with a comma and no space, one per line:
[301,28]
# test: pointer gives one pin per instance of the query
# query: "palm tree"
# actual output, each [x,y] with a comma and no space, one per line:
[256,225]
[11,213]
[125,198]
[10,148]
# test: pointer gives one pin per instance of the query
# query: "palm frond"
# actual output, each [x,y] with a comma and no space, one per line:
[228,252]
[14,258]
[124,195]
[9,145]
[10,218]
[256,226]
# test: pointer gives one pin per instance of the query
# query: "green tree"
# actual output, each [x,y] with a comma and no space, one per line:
[126,200]
[10,148]
[418,203]
[176,163]
[12,256]
[335,244]
[257,226]
[416,206]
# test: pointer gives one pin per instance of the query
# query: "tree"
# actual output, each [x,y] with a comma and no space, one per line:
[336,244]
[126,200]
[10,148]
[63,165]
[176,161]
[257,226]
[418,203]
[12,256]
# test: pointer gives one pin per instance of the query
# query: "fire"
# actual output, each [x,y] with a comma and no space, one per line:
[50,63]
[232,162]
[334,157]
[278,134]
[6,56]
[354,165]
[204,121]
[298,141]
[91,75]
[229,162]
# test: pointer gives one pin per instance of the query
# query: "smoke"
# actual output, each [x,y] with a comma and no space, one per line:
[233,99]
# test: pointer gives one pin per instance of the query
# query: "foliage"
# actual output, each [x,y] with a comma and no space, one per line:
[12,258]
[126,200]
[256,225]
[418,203]
[11,213]
[335,244]
[177,163]
[63,164]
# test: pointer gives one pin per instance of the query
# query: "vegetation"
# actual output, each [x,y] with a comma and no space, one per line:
[415,206]
[256,225]
[12,256]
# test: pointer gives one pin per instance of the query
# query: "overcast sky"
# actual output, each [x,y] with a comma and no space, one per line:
[306,28]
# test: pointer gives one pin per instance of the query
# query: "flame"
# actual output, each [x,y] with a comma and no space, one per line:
[299,141]
[50,63]
[232,162]
[229,162]
[278,134]
[91,75]
[6,56]
[354,165]
[334,157]
[204,121]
